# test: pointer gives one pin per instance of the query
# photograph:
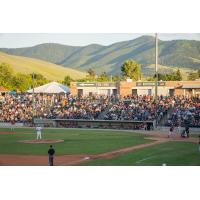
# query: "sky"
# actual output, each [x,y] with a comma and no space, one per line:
[16,40]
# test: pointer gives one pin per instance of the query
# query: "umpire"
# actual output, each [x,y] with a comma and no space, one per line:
[51,153]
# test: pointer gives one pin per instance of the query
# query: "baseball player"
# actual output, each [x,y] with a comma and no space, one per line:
[171,131]
[51,153]
[12,122]
[39,132]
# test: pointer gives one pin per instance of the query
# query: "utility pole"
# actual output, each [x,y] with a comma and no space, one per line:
[156,75]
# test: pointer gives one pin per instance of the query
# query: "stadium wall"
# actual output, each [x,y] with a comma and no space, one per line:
[101,124]
[8,125]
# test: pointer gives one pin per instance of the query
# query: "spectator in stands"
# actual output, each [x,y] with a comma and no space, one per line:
[19,107]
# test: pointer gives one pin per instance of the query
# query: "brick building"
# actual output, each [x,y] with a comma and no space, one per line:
[130,87]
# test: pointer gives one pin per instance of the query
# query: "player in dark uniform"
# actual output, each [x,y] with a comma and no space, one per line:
[51,153]
[12,122]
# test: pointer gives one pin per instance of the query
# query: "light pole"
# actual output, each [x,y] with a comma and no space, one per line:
[156,75]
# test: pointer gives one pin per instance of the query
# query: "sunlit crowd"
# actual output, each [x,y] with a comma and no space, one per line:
[23,107]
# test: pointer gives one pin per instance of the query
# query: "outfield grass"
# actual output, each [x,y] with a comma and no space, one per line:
[76,141]
[171,153]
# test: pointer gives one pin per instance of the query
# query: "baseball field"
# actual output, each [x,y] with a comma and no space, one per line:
[19,147]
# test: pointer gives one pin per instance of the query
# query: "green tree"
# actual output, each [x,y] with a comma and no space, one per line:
[198,72]
[6,75]
[151,79]
[160,77]
[91,74]
[174,76]
[103,77]
[82,80]
[178,76]
[131,69]
[193,76]
[67,80]
[117,77]
[21,82]
[39,79]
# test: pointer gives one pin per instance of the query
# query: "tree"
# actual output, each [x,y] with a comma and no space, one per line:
[6,75]
[198,72]
[151,78]
[82,80]
[193,76]
[67,80]
[117,77]
[103,77]
[174,76]
[21,82]
[91,74]
[178,76]
[131,69]
[39,79]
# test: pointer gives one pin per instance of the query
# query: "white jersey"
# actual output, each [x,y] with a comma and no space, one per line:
[38,129]
[38,132]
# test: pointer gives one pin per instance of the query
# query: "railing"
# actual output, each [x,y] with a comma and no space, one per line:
[8,124]
[102,124]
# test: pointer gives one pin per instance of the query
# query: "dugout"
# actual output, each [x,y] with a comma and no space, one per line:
[101,124]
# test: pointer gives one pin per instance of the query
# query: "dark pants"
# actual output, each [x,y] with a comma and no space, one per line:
[50,160]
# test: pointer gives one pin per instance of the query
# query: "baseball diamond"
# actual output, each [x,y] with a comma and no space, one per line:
[141,107]
[97,147]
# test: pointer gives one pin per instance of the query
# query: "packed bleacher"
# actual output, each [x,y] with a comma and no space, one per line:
[20,108]
[186,111]
[138,108]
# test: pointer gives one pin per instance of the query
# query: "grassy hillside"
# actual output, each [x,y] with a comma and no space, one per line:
[175,53]
[30,65]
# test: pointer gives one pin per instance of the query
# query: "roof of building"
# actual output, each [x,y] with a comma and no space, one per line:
[52,87]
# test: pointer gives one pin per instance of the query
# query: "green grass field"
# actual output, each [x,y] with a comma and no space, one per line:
[170,153]
[75,141]
[82,141]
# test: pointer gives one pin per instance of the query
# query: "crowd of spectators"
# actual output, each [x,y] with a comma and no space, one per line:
[22,108]
[186,112]
[16,108]
[139,108]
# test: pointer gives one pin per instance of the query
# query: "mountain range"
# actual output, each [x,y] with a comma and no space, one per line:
[175,53]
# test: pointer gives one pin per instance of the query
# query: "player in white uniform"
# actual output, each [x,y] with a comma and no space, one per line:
[39,132]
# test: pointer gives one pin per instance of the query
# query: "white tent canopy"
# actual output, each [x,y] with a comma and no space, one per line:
[52,87]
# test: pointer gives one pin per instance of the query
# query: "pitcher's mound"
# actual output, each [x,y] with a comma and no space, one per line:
[41,141]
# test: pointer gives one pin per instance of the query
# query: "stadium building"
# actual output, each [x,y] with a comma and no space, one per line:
[129,87]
